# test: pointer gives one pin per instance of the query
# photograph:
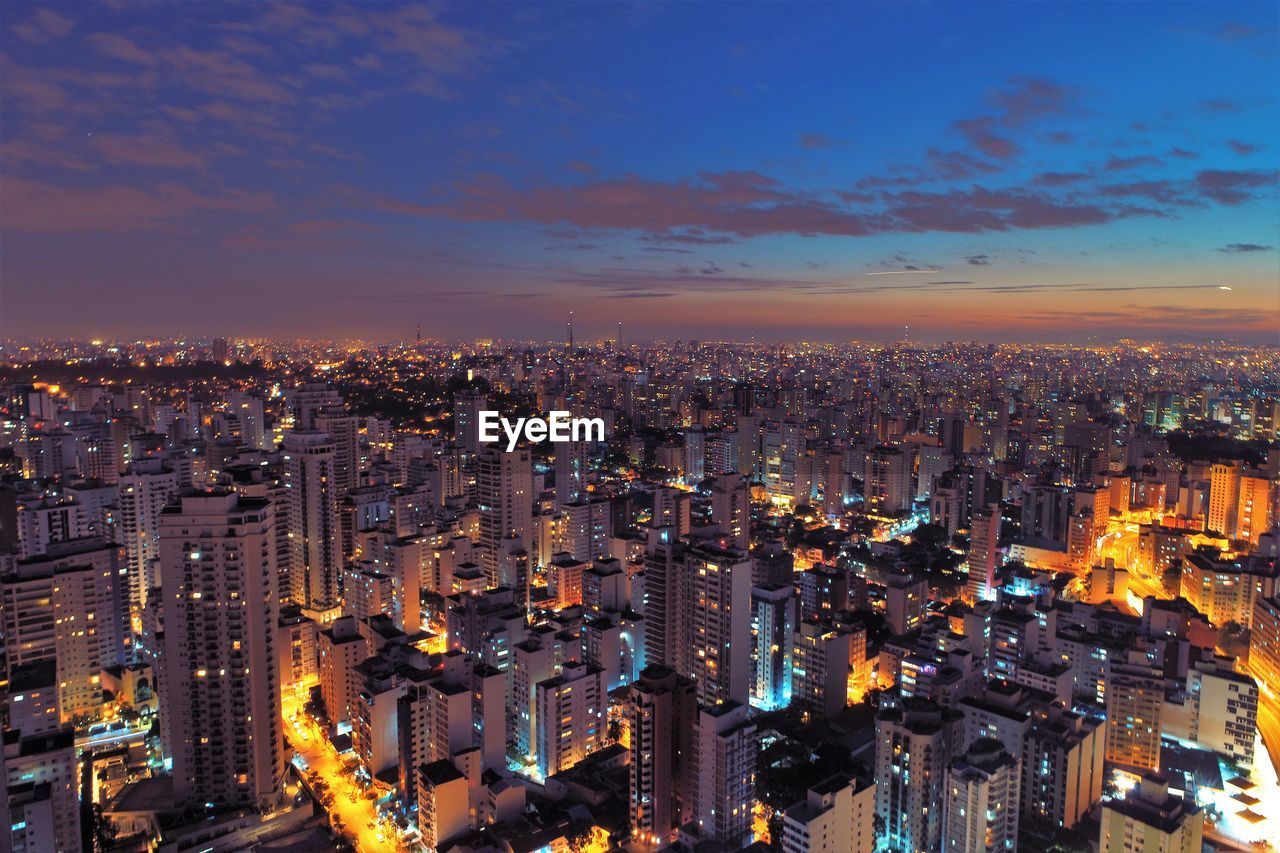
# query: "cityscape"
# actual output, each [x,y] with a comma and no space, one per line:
[619,428]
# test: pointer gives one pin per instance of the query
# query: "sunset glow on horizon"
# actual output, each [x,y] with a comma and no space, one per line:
[1047,171]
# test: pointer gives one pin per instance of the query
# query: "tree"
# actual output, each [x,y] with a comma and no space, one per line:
[1233,640]
[104,830]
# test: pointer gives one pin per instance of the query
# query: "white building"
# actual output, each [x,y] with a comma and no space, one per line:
[727,743]
[219,685]
[836,816]
[981,800]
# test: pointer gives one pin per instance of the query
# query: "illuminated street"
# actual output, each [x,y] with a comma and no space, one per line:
[351,811]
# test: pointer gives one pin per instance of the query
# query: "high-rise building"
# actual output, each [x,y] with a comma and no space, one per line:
[836,816]
[315,555]
[980,804]
[934,462]
[727,745]
[914,742]
[38,766]
[443,803]
[695,455]
[1224,710]
[588,529]
[467,406]
[664,714]
[1224,588]
[219,684]
[782,445]
[671,509]
[906,598]
[820,677]
[984,553]
[1063,766]
[731,509]
[773,625]
[720,623]
[887,480]
[1134,701]
[144,491]
[570,721]
[1264,644]
[532,662]
[1254,507]
[1224,490]
[248,410]
[667,591]
[306,401]
[1151,819]
[67,606]
[571,472]
[344,433]
[504,490]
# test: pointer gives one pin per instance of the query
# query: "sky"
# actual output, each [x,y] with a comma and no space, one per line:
[800,171]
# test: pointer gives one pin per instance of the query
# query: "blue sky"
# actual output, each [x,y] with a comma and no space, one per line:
[1072,171]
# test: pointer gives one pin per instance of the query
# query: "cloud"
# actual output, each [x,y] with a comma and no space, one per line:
[710,205]
[954,165]
[1059,179]
[1020,102]
[1241,148]
[44,25]
[1219,105]
[978,260]
[1026,99]
[977,209]
[1229,187]
[1116,164]
[1261,40]
[119,47]
[693,235]
[1181,153]
[1237,31]
[328,226]
[30,205]
[981,134]
[155,149]
[1165,192]
[1243,248]
[818,141]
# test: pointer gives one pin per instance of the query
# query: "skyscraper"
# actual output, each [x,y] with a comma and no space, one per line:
[570,720]
[143,492]
[728,743]
[913,750]
[1135,700]
[504,491]
[664,714]
[315,557]
[467,405]
[218,682]
[773,625]
[981,800]
[731,509]
[984,542]
[66,606]
[571,472]
[887,480]
[720,623]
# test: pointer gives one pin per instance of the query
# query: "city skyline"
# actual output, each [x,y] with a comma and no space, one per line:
[1047,172]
